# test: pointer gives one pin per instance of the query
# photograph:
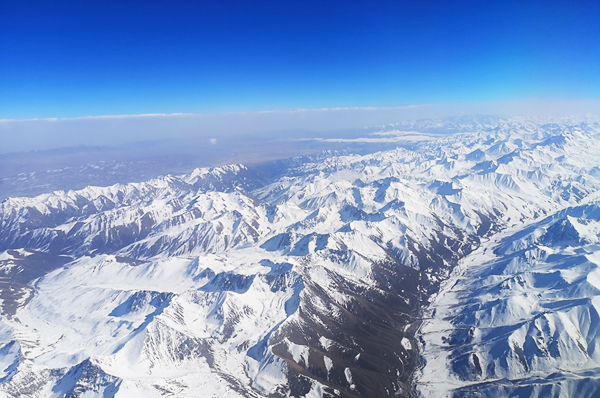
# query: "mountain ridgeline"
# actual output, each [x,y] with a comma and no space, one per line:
[319,276]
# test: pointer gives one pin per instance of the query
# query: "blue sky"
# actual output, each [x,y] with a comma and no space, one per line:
[82,58]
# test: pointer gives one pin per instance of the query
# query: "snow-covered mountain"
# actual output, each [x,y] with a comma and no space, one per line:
[522,319]
[310,277]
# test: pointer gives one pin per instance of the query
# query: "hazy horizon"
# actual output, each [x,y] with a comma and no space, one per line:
[22,135]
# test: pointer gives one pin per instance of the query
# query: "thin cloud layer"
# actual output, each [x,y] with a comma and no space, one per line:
[40,134]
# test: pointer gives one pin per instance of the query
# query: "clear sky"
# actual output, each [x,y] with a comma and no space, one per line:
[83,58]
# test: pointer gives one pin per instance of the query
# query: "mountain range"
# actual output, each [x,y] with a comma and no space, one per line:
[464,264]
